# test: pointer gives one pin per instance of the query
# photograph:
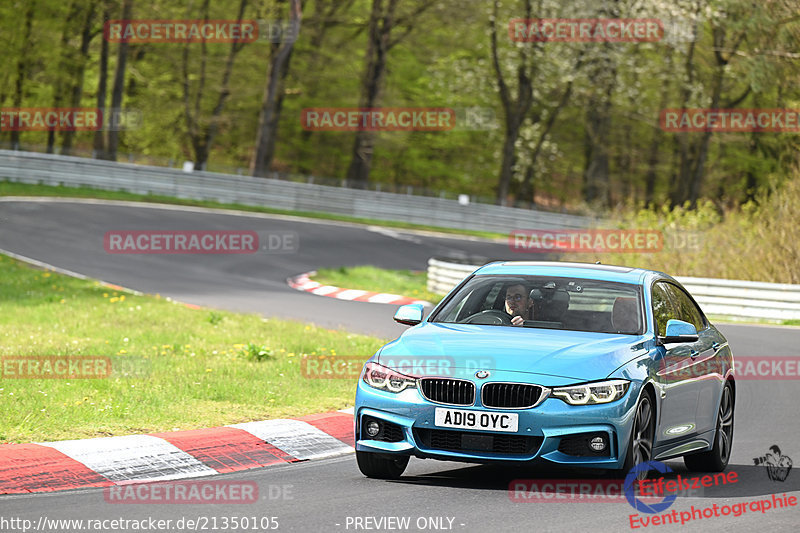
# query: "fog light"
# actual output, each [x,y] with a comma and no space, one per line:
[598,444]
[373,428]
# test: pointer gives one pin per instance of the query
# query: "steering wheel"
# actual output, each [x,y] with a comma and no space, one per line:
[489,317]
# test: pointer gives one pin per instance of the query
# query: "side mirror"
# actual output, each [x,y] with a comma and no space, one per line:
[679,331]
[410,314]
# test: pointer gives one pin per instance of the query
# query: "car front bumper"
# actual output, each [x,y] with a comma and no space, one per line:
[552,431]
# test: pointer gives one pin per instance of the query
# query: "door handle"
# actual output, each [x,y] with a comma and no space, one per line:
[694,353]
[716,346]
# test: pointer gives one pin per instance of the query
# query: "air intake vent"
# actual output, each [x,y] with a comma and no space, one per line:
[473,442]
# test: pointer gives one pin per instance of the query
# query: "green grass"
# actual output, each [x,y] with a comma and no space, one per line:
[370,278]
[201,368]
[719,319]
[8,188]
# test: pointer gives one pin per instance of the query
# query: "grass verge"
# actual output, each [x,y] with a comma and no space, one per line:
[369,278]
[199,368]
[8,188]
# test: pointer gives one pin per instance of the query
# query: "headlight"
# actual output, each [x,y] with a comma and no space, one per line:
[593,393]
[383,378]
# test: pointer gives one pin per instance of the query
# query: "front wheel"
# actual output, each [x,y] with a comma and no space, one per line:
[716,459]
[640,447]
[379,466]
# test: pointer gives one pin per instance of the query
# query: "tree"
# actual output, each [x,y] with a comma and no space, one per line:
[383,21]
[22,66]
[203,132]
[119,84]
[99,144]
[78,69]
[272,102]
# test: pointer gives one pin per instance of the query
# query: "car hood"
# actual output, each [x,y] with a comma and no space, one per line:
[576,355]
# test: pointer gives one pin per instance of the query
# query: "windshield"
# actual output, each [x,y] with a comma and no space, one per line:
[546,302]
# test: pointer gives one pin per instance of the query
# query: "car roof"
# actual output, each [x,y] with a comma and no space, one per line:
[619,274]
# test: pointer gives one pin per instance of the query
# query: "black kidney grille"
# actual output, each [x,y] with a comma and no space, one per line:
[442,439]
[449,391]
[510,395]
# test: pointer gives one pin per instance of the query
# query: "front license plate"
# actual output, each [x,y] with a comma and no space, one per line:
[458,418]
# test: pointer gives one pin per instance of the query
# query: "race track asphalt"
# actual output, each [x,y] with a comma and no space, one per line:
[331,495]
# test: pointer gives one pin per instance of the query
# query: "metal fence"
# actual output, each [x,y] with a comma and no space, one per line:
[733,299]
[50,169]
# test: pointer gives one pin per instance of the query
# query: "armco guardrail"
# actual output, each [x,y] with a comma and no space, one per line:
[719,297]
[745,299]
[444,275]
[32,167]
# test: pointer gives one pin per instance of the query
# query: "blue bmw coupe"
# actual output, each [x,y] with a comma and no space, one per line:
[573,364]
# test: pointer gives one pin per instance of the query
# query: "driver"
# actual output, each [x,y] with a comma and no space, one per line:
[518,304]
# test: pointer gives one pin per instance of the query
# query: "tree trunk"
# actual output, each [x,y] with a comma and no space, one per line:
[527,190]
[693,155]
[22,63]
[203,147]
[64,70]
[509,159]
[119,83]
[679,185]
[698,171]
[317,26]
[515,109]
[654,152]
[78,77]
[603,77]
[273,99]
[380,28]
[99,145]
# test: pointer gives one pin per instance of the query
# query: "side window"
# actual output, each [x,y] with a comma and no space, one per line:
[685,308]
[491,301]
[662,308]
[454,314]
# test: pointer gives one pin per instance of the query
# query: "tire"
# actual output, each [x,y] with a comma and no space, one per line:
[640,447]
[716,459]
[379,466]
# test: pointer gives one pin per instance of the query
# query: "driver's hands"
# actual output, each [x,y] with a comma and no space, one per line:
[517,321]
